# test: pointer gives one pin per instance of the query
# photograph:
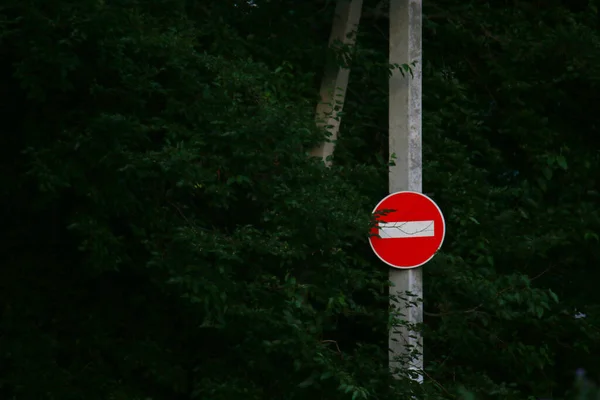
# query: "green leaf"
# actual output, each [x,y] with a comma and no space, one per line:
[591,236]
[326,375]
[307,382]
[562,162]
[547,173]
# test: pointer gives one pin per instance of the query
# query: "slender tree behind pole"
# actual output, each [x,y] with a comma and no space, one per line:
[335,79]
[405,143]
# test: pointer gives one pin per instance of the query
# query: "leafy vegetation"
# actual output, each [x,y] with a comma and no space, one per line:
[166,236]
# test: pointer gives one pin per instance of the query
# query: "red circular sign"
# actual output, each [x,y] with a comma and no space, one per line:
[410,230]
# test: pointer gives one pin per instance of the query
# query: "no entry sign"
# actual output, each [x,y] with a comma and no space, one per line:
[410,230]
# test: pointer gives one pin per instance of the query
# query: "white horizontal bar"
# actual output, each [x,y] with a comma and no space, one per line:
[408,229]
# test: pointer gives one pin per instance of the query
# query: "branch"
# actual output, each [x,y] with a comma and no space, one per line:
[476,308]
[336,346]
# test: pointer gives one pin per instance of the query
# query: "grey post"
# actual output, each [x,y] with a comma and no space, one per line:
[405,142]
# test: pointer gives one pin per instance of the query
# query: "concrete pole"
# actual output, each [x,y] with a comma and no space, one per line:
[335,79]
[405,142]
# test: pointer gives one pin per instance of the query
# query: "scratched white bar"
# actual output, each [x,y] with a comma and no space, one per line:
[408,229]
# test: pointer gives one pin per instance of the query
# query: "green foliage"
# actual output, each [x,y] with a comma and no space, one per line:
[189,248]
[166,236]
[508,147]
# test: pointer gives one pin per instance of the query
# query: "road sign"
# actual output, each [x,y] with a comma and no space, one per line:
[410,230]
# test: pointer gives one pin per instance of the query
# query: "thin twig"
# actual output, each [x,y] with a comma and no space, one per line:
[336,346]
[476,308]
[437,383]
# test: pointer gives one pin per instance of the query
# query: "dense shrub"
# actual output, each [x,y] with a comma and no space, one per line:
[167,237]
